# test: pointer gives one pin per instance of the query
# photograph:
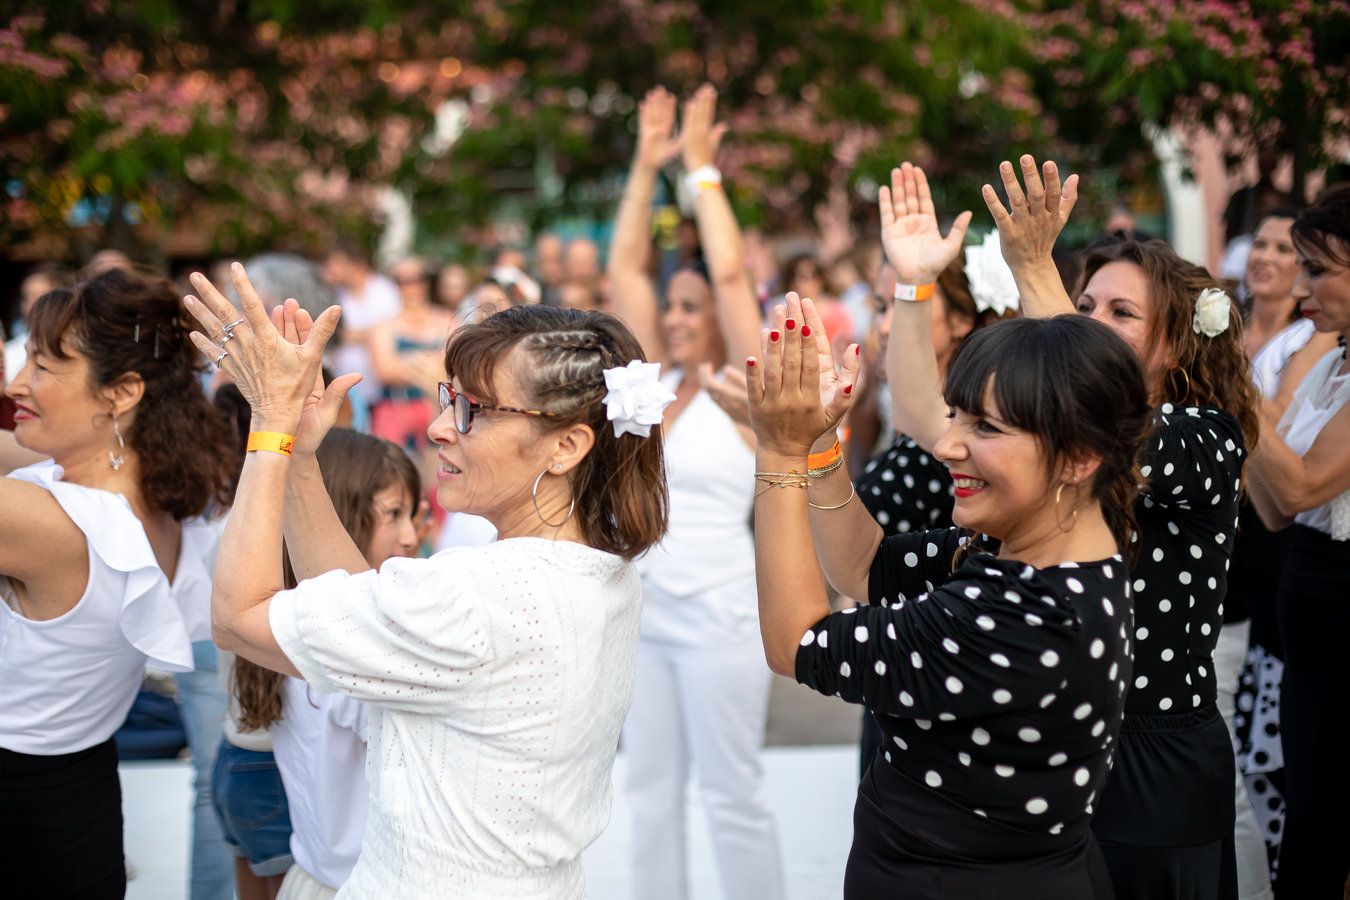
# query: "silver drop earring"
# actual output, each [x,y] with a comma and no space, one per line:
[119,459]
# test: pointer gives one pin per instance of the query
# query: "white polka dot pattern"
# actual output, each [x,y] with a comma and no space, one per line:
[997,709]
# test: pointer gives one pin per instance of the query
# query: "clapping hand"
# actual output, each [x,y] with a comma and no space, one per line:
[701,136]
[914,246]
[324,402]
[1028,232]
[657,143]
[796,392]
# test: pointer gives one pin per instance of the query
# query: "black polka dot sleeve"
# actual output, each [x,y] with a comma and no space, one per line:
[905,488]
[995,671]
[1186,525]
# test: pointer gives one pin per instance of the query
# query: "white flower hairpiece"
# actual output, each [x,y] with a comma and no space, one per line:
[637,399]
[1212,312]
[991,281]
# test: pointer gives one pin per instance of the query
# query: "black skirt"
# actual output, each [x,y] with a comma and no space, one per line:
[908,842]
[61,825]
[1165,819]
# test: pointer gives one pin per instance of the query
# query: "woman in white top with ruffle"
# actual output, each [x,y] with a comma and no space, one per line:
[1300,478]
[702,697]
[497,676]
[101,566]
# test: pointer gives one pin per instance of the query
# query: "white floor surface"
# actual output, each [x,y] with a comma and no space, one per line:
[811,788]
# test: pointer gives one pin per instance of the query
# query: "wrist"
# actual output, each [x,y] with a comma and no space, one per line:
[825,442]
[265,421]
[782,459]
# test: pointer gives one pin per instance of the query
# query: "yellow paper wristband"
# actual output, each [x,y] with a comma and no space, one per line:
[274,441]
[824,458]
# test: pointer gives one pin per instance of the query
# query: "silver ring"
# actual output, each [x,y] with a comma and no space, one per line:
[220,359]
[229,336]
[233,325]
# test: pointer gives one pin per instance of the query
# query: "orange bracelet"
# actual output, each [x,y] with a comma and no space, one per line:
[825,457]
[914,293]
[275,441]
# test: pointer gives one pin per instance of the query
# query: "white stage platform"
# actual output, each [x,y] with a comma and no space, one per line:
[811,789]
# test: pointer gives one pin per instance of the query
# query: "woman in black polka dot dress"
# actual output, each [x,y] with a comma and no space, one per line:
[1165,820]
[998,679]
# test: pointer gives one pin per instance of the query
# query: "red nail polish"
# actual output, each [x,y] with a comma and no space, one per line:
[773,335]
[791,324]
[857,349]
[848,389]
[750,363]
[806,331]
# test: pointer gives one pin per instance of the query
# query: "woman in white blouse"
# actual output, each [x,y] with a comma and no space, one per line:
[102,565]
[1301,478]
[497,676]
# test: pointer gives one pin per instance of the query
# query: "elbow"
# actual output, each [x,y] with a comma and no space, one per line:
[781,665]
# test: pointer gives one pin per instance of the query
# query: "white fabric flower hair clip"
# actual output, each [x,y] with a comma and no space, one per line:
[1213,310]
[991,281]
[637,399]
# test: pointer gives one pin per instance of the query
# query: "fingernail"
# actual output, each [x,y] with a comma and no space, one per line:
[857,350]
[806,331]
[773,335]
[848,389]
[750,363]
[791,324]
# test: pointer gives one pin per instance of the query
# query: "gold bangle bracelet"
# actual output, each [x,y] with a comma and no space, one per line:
[832,466]
[851,494]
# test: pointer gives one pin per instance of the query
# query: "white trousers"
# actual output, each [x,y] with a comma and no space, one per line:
[1253,872]
[703,708]
[300,885]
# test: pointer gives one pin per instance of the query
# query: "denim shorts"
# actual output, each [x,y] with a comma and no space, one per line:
[250,800]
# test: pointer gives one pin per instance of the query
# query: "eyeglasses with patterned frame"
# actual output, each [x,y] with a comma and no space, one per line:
[466,408]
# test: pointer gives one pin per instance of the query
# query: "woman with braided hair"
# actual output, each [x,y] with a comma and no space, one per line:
[702,695]
[497,676]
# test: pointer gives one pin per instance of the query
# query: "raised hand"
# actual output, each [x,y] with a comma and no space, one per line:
[727,388]
[1028,232]
[914,246]
[796,393]
[274,375]
[324,403]
[701,136]
[658,143]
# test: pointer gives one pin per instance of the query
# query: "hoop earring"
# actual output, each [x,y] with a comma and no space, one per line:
[1073,518]
[534,498]
[119,459]
[1187,378]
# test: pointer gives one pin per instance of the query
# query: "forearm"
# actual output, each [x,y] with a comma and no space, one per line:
[792,594]
[845,538]
[737,307]
[1266,508]
[315,539]
[630,248]
[248,568]
[917,407]
[1041,290]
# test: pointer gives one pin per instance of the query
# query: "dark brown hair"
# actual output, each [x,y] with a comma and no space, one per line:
[1199,370]
[620,486]
[127,324]
[1325,226]
[355,468]
[1075,386]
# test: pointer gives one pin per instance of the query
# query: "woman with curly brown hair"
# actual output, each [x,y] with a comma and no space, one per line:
[1165,817]
[102,554]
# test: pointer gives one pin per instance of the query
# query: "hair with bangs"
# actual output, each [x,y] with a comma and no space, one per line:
[128,324]
[620,486]
[1325,226]
[1072,384]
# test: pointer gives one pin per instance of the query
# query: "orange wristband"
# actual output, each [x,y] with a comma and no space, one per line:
[825,457]
[275,441]
[914,293]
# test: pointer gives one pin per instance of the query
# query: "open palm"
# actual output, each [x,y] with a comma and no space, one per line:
[323,402]
[914,246]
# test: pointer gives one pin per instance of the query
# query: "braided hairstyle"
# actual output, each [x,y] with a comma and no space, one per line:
[622,502]
[127,324]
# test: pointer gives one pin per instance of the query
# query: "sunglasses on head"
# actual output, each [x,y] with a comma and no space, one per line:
[466,408]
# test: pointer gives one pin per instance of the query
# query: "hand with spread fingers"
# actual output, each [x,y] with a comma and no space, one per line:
[1027,232]
[658,143]
[323,404]
[274,375]
[796,392]
[914,246]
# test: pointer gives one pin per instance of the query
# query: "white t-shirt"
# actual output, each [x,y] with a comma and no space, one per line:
[320,748]
[378,302]
[67,683]
[498,678]
[1320,396]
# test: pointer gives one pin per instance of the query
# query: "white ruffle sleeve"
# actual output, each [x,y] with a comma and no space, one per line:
[151,619]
